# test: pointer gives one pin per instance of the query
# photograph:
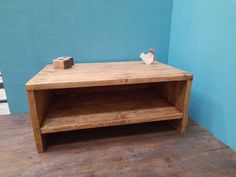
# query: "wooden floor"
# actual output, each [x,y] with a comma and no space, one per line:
[143,150]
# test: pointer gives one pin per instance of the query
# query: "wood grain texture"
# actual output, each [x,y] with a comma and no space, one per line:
[99,109]
[141,150]
[177,93]
[63,63]
[106,94]
[39,102]
[185,106]
[36,121]
[102,74]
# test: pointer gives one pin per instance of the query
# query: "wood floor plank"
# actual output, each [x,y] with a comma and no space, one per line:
[150,149]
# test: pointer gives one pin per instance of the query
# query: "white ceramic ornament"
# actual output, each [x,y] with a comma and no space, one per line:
[147,58]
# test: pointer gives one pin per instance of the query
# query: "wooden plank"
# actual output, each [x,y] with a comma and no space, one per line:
[140,150]
[38,102]
[38,138]
[104,74]
[184,121]
[100,109]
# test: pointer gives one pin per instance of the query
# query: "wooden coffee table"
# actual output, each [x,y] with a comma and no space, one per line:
[106,94]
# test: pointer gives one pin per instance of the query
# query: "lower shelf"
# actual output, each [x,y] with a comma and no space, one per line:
[89,110]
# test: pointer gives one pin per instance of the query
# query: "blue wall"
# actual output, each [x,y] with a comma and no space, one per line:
[203,41]
[33,32]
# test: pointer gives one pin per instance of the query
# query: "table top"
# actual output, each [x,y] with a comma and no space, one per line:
[104,74]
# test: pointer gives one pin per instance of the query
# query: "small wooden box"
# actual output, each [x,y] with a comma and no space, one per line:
[63,63]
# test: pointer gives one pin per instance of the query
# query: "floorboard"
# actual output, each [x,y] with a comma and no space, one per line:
[142,150]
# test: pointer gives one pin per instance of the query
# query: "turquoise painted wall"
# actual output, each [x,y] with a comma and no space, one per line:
[203,41]
[33,32]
